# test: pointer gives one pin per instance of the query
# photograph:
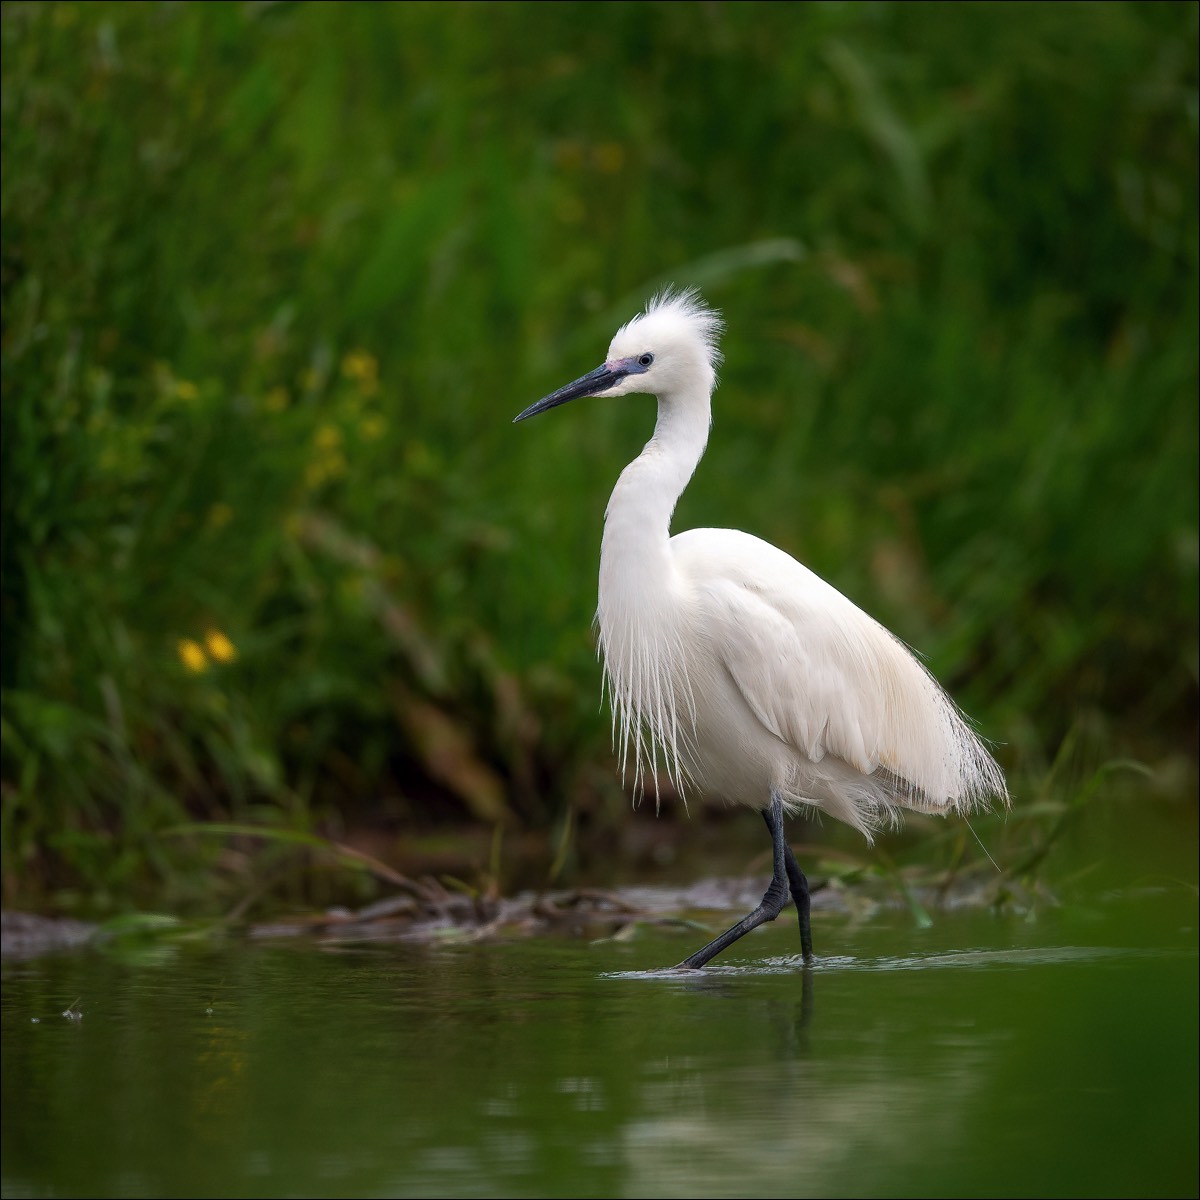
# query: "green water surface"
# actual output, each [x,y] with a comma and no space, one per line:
[984,1056]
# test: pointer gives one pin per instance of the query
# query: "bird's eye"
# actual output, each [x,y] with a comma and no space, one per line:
[644,360]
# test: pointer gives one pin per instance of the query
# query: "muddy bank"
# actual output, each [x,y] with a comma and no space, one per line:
[427,911]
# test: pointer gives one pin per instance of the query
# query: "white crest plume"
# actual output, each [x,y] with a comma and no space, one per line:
[685,309]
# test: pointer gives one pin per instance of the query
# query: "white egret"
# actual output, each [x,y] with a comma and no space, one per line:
[737,667]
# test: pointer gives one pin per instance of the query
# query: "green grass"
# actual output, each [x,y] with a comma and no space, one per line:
[276,278]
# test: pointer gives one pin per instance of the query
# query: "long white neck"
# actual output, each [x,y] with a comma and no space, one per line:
[637,612]
[637,522]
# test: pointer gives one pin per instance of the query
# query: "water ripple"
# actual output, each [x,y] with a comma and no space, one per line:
[1031,956]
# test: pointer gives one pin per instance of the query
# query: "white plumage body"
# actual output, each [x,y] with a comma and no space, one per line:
[784,686]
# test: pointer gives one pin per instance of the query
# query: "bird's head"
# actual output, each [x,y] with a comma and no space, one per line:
[669,348]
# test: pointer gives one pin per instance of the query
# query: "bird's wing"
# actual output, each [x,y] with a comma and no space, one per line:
[795,672]
[825,678]
[815,670]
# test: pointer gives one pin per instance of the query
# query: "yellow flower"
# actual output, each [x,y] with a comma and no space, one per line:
[192,655]
[609,157]
[373,428]
[329,465]
[328,437]
[219,515]
[359,364]
[276,399]
[362,367]
[186,390]
[220,647]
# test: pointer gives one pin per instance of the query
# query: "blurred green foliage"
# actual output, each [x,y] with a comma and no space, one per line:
[277,276]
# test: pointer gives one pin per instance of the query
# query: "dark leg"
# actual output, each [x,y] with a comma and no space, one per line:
[800,898]
[773,900]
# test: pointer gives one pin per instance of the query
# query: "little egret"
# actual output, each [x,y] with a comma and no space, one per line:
[737,667]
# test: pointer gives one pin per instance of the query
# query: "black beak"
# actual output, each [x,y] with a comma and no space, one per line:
[599,380]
